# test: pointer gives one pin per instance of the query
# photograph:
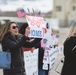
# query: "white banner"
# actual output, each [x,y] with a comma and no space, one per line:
[31,62]
[36,24]
[52,57]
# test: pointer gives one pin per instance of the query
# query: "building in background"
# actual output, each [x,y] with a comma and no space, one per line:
[8,9]
[37,5]
[65,11]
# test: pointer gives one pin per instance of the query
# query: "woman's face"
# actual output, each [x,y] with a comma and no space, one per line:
[13,29]
[27,30]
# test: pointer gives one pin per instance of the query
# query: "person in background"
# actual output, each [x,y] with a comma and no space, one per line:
[40,61]
[13,41]
[23,29]
[41,71]
[69,67]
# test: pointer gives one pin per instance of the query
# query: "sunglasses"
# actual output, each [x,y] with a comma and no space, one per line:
[14,27]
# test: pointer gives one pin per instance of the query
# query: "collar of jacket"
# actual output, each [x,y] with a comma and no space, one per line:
[13,37]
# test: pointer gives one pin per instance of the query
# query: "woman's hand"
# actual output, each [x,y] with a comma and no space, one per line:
[32,49]
[31,40]
[45,30]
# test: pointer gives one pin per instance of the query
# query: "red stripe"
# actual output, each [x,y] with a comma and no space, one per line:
[26,49]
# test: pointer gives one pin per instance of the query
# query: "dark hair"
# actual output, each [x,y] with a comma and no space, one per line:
[47,25]
[9,24]
[5,30]
[22,28]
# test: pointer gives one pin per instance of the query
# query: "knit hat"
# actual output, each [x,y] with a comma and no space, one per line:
[22,28]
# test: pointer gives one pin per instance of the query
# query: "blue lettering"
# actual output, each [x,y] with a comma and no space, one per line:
[36,33]
[33,32]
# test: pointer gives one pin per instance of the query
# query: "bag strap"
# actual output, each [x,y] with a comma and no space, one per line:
[0,47]
[73,48]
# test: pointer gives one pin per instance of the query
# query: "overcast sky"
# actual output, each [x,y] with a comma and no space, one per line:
[41,5]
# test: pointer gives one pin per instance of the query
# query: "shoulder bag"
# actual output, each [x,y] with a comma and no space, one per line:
[5,59]
[61,62]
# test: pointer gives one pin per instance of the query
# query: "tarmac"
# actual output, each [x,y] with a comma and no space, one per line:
[62,36]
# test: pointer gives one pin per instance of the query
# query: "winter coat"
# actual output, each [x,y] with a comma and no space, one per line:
[40,57]
[69,67]
[14,44]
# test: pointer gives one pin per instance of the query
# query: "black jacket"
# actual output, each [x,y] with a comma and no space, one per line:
[69,67]
[14,44]
[40,55]
[40,59]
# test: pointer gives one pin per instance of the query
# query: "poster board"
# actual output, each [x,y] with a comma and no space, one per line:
[31,62]
[36,25]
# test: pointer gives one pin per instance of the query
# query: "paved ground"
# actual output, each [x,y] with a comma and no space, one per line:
[62,34]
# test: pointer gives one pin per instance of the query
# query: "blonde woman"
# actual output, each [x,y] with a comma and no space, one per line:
[69,67]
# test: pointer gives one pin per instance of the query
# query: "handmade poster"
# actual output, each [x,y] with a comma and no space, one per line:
[50,52]
[52,57]
[46,59]
[45,66]
[47,39]
[37,24]
[61,49]
[43,42]
[31,62]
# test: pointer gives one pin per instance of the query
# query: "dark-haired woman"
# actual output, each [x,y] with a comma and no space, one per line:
[13,41]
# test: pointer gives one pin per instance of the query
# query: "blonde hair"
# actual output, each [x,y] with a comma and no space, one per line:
[72,30]
[5,30]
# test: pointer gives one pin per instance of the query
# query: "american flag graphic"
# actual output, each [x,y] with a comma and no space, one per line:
[21,13]
[39,13]
[43,43]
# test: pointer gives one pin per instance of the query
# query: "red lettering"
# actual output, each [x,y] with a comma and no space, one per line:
[35,21]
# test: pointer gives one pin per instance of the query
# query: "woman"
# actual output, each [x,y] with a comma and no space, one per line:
[23,29]
[41,71]
[13,41]
[69,67]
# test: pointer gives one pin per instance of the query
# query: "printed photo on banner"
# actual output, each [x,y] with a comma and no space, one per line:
[36,25]
[46,41]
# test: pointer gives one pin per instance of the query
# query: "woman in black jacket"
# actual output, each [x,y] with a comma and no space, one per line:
[69,67]
[23,29]
[13,41]
[41,71]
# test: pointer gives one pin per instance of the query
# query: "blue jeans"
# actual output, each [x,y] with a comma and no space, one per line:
[42,72]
